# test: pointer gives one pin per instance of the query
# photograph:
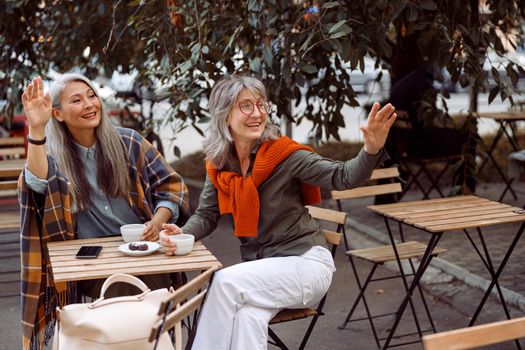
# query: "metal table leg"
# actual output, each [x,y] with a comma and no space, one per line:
[495,277]
[425,261]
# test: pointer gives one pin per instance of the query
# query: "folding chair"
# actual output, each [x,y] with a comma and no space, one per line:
[12,159]
[418,151]
[382,254]
[333,239]
[177,307]
[12,147]
[474,337]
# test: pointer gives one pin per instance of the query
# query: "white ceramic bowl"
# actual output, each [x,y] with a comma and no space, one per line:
[184,243]
[132,232]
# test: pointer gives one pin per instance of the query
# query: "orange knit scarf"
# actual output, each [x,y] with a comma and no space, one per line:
[238,195]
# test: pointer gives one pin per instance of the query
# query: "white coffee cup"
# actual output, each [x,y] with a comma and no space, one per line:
[184,243]
[132,232]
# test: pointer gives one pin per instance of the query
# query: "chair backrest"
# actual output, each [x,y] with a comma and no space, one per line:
[12,152]
[373,190]
[333,238]
[477,336]
[10,169]
[172,311]
[12,147]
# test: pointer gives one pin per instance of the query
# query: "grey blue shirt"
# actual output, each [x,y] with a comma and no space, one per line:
[285,227]
[106,214]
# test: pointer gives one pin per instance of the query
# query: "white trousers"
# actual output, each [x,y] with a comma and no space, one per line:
[243,298]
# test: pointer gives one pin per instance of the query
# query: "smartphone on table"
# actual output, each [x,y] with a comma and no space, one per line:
[88,252]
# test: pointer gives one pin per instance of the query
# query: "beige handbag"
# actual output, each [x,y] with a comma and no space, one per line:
[119,323]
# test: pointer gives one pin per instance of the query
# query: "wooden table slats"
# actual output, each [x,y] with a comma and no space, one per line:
[63,258]
[59,249]
[506,116]
[110,261]
[383,208]
[434,208]
[446,213]
[136,271]
[129,263]
[476,223]
[454,213]
[462,218]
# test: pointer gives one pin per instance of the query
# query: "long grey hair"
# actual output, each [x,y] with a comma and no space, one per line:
[111,156]
[218,144]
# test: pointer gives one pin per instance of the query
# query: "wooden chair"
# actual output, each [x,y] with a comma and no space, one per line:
[333,239]
[12,147]
[9,220]
[477,336]
[10,170]
[177,307]
[381,254]
[12,154]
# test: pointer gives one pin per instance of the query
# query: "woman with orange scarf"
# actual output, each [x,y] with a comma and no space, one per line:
[264,181]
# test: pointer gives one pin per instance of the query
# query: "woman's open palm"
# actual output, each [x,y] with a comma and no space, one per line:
[37,105]
[376,129]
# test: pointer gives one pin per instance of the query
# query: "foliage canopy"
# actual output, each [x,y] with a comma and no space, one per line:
[187,45]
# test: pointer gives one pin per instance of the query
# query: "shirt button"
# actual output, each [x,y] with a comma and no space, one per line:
[106,207]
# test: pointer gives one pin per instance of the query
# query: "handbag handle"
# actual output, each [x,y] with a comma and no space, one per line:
[122,277]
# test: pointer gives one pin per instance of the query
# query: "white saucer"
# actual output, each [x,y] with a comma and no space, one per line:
[152,247]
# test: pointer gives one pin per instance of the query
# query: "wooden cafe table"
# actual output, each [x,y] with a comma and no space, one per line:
[67,268]
[444,215]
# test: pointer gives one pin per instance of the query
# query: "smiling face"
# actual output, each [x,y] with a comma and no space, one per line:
[79,109]
[247,128]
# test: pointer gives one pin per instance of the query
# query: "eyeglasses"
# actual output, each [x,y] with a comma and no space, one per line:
[248,106]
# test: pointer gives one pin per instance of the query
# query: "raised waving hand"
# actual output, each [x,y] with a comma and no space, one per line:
[376,129]
[37,105]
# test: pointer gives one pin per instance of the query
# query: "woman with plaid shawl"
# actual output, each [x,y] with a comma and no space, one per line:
[83,178]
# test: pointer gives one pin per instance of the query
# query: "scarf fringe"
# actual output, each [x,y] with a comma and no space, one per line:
[52,299]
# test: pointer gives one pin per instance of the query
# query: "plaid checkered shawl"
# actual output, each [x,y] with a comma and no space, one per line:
[152,180]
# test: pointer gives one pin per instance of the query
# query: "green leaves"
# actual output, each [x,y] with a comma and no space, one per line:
[309,68]
[338,30]
[186,46]
[255,65]
[493,93]
[267,55]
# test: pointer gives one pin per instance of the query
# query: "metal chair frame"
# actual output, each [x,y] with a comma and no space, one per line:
[334,239]
[367,191]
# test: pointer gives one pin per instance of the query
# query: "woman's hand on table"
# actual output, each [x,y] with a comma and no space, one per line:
[154,226]
[169,229]
[151,232]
